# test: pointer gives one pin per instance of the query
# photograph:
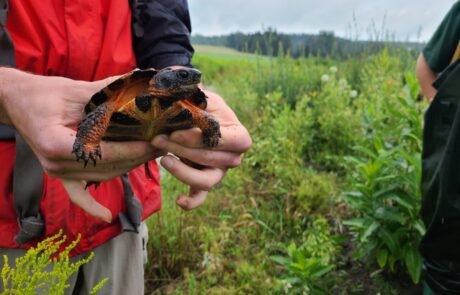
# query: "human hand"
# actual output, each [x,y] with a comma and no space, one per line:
[45,111]
[188,144]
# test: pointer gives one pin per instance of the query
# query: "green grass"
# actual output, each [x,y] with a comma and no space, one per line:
[220,52]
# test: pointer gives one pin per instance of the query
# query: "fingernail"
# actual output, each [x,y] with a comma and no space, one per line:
[182,202]
[160,141]
[167,162]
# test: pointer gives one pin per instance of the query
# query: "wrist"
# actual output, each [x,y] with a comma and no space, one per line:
[11,90]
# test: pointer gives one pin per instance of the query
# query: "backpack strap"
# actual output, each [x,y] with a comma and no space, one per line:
[6,59]
[132,218]
[6,44]
[28,173]
[27,193]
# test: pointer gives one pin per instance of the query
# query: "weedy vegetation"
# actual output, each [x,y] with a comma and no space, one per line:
[326,201]
[44,269]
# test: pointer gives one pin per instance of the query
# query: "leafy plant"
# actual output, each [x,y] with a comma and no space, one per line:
[305,266]
[385,181]
[43,269]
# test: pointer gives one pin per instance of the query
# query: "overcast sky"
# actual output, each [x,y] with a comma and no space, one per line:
[402,19]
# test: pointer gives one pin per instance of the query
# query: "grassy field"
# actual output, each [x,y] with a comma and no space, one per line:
[327,199]
[220,52]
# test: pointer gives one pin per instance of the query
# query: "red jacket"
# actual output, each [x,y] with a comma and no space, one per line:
[85,40]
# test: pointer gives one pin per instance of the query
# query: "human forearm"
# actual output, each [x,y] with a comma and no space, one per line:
[426,77]
[162,34]
[44,111]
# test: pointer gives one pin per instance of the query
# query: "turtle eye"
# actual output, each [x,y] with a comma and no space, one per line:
[183,74]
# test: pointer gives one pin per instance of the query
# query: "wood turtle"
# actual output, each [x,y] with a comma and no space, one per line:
[141,105]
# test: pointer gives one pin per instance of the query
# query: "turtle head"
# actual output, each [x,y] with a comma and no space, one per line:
[175,83]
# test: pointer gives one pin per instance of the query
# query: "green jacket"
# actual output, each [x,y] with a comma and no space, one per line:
[440,247]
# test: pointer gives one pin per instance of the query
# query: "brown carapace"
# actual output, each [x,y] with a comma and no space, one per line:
[141,105]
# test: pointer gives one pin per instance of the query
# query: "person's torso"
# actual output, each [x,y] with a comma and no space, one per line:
[84,40]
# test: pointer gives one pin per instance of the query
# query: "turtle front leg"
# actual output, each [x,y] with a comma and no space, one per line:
[210,128]
[201,119]
[90,132]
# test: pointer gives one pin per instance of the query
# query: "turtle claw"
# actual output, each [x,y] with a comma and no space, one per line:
[87,153]
[211,141]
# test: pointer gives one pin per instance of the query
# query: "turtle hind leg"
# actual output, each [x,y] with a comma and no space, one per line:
[86,146]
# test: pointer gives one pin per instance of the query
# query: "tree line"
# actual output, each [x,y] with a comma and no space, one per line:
[325,44]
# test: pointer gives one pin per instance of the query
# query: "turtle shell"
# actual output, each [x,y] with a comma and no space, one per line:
[142,104]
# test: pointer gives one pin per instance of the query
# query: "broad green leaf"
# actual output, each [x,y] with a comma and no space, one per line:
[389,215]
[418,225]
[390,241]
[403,203]
[291,249]
[280,260]
[413,262]
[391,262]
[324,269]
[369,231]
[382,257]
[385,191]
[355,222]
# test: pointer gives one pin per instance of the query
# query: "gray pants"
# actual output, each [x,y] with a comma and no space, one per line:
[120,259]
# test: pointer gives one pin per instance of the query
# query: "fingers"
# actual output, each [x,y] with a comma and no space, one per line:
[206,157]
[129,150]
[102,171]
[117,158]
[59,147]
[195,199]
[235,138]
[82,198]
[204,179]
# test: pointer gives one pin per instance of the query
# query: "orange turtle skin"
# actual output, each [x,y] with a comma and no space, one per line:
[141,105]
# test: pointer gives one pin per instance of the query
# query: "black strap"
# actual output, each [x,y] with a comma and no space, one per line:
[130,220]
[6,59]
[6,44]
[27,192]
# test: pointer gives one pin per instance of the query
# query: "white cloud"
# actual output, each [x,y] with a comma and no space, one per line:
[347,18]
